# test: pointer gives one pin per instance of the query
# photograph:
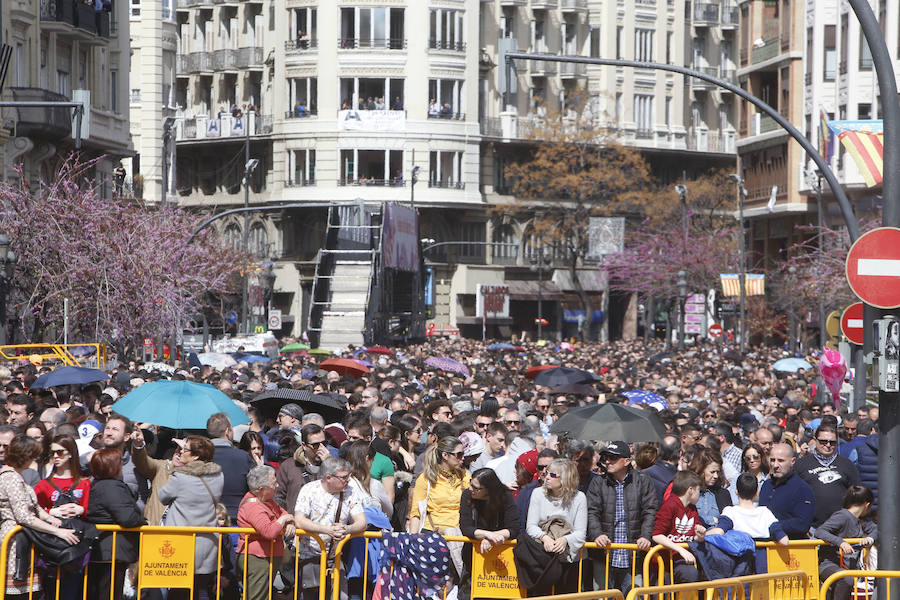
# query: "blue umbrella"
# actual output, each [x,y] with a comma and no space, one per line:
[791,365]
[69,376]
[177,404]
[82,350]
[645,397]
[501,346]
[250,358]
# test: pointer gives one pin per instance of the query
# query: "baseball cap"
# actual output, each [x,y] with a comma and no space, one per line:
[528,460]
[620,449]
[472,443]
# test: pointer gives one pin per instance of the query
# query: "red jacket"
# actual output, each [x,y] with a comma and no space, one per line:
[675,520]
[263,517]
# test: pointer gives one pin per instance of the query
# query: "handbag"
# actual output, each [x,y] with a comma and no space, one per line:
[58,552]
[64,497]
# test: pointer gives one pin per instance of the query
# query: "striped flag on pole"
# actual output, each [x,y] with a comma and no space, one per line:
[864,140]
[755,284]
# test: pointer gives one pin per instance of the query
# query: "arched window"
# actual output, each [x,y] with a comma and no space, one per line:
[233,236]
[505,254]
[259,240]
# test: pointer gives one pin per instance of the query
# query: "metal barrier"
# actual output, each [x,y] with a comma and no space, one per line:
[856,575]
[790,585]
[60,352]
[171,554]
[598,595]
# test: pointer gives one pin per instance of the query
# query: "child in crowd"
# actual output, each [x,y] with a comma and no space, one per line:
[678,522]
[845,523]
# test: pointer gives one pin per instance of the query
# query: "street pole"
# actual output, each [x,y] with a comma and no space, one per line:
[888,402]
[792,319]
[413,178]
[245,242]
[682,294]
[823,335]
[742,282]
[540,269]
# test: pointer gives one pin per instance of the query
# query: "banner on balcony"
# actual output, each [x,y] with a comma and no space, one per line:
[755,284]
[400,239]
[371,120]
[864,140]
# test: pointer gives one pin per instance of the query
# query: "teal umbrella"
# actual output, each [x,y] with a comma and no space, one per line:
[177,404]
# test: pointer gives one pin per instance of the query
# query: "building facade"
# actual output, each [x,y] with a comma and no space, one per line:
[65,52]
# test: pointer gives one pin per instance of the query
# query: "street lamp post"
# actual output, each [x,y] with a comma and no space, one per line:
[167,125]
[538,262]
[682,191]
[792,319]
[742,193]
[249,166]
[682,295]
[8,261]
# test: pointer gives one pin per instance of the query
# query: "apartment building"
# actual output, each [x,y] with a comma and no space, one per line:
[65,51]
[840,80]
[352,101]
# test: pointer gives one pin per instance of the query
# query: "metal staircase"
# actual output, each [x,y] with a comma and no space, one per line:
[344,274]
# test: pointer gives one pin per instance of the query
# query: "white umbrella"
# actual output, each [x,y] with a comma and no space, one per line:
[216,360]
[158,366]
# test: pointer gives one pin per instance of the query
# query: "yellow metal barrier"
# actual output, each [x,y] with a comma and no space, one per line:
[59,352]
[790,585]
[598,595]
[856,575]
[170,542]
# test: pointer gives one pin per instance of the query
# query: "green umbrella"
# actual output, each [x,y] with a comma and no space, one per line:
[295,347]
[322,351]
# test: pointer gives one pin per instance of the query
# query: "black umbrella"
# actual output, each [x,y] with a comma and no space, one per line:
[660,357]
[564,376]
[331,409]
[576,389]
[610,422]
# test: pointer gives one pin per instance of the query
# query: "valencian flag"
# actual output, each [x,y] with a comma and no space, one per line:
[826,138]
[754,284]
[864,140]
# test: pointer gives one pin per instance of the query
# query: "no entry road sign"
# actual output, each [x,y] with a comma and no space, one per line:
[715,330]
[852,323]
[873,267]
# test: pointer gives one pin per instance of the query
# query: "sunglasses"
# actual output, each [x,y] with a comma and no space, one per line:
[59,452]
[512,422]
[315,445]
[826,442]
[552,475]
[481,425]
[344,478]
[458,455]
[752,456]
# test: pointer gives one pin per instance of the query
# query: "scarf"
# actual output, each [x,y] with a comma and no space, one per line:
[825,461]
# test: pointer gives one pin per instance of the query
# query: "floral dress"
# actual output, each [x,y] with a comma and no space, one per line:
[18,506]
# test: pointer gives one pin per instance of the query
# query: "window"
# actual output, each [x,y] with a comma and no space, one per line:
[669,48]
[376,27]
[471,232]
[445,169]
[303,30]
[865,55]
[595,42]
[830,53]
[62,82]
[508,22]
[259,240]
[620,108]
[167,9]
[668,112]
[446,29]
[643,45]
[303,166]
[232,236]
[368,94]
[619,42]
[845,26]
[448,98]
[114,91]
[643,114]
[539,33]
[508,251]
[864,111]
[135,8]
[302,97]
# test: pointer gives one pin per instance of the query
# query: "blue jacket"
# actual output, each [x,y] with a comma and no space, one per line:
[235,465]
[661,474]
[867,464]
[851,448]
[523,500]
[792,502]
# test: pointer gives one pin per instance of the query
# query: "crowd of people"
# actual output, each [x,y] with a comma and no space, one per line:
[749,454]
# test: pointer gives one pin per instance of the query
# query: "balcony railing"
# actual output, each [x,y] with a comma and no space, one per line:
[542,68]
[48,122]
[134,96]
[384,44]
[129,188]
[731,17]
[700,84]
[304,114]
[572,5]
[706,14]
[190,3]
[447,185]
[572,69]
[452,116]
[76,14]
[371,181]
[224,59]
[249,57]
[301,45]
[644,134]
[768,50]
[223,126]
[445,45]
[300,182]
[543,4]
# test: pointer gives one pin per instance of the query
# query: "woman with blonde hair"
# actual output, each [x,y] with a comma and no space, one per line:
[437,492]
[557,520]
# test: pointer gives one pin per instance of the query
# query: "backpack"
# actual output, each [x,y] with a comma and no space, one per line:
[65,496]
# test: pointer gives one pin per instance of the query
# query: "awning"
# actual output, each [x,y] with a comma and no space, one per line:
[593,280]
[528,290]
[478,321]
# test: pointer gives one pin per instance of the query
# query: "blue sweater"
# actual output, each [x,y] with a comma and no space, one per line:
[791,501]
[867,463]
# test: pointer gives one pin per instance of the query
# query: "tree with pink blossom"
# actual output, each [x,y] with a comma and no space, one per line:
[123,266]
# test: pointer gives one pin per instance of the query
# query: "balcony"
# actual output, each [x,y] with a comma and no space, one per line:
[380,44]
[513,2]
[301,45]
[731,17]
[53,123]
[445,45]
[251,56]
[769,50]
[573,6]
[448,115]
[544,4]
[224,60]
[62,15]
[572,70]
[185,4]
[208,127]
[446,185]
[705,15]
[542,68]
[304,114]
[370,181]
[300,182]
[701,85]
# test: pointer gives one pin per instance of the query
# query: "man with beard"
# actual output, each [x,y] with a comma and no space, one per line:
[304,467]
[117,431]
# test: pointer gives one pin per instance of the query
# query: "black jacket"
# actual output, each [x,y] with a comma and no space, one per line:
[661,473]
[641,505]
[111,502]
[471,518]
[235,465]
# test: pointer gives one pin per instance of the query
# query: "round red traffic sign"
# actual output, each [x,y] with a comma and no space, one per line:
[715,330]
[852,323]
[873,267]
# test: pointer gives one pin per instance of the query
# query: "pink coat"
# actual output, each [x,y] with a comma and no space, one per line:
[263,517]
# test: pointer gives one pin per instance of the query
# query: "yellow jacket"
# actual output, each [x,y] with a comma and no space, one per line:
[443,500]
